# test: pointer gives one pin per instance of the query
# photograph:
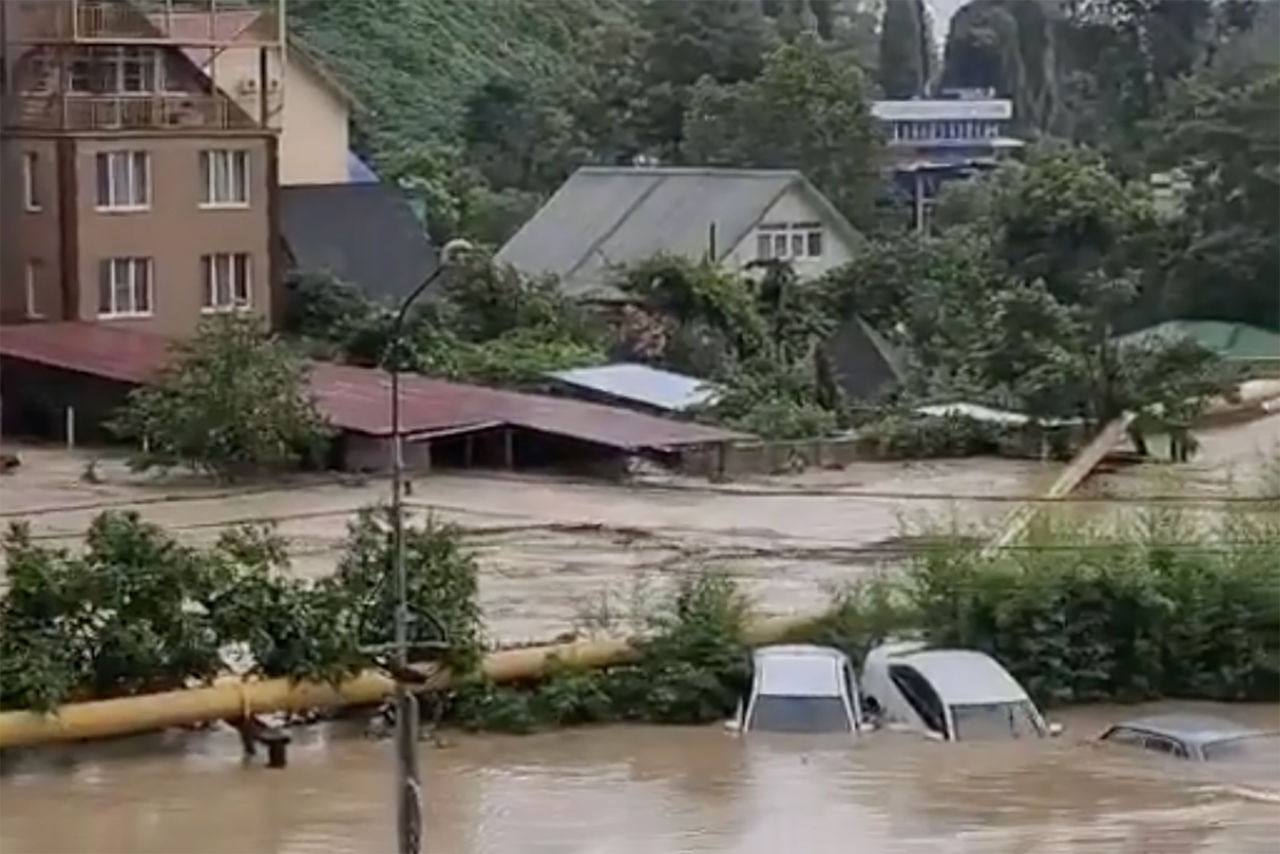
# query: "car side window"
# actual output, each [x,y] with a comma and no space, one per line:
[1124,735]
[920,694]
[1168,746]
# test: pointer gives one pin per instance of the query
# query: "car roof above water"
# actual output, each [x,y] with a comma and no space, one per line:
[963,677]
[799,670]
[1190,728]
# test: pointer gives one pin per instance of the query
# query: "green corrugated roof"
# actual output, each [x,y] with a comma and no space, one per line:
[1232,340]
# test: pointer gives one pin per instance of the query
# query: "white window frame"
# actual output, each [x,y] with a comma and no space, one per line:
[109,278]
[31,182]
[232,274]
[30,287]
[132,161]
[789,241]
[231,159]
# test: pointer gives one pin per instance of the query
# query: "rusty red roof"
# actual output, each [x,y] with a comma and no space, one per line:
[87,348]
[357,399]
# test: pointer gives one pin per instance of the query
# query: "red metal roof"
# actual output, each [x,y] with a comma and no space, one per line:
[87,348]
[358,399]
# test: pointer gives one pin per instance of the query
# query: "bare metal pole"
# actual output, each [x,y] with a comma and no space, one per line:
[408,786]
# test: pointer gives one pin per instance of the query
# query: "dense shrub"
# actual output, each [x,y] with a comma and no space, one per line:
[234,399]
[1084,616]
[139,612]
[692,667]
[920,437]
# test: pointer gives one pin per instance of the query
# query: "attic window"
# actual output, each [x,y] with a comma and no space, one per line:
[788,241]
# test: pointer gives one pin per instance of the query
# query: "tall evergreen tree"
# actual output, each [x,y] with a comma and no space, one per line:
[904,49]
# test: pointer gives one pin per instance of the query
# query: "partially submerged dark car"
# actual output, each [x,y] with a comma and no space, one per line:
[1202,738]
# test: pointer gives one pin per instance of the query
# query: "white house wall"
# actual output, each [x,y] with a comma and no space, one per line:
[794,206]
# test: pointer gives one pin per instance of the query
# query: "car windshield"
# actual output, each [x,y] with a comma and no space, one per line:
[975,721]
[1245,747]
[799,714]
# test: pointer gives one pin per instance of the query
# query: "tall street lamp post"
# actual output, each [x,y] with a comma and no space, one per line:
[409,789]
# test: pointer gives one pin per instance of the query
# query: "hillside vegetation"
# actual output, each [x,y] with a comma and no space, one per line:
[414,63]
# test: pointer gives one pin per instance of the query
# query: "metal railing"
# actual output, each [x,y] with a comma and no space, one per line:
[125,112]
[151,21]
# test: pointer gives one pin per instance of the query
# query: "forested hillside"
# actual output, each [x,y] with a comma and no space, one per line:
[486,106]
[414,63]
[483,107]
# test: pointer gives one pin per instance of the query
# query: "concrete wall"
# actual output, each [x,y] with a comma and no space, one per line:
[373,454]
[796,206]
[736,459]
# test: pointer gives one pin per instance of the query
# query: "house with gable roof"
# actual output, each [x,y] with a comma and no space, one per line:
[604,217]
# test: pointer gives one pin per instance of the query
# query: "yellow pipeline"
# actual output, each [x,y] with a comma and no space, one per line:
[229,699]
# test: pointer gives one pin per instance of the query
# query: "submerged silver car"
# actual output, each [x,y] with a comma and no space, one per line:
[800,688]
[1202,738]
[948,694]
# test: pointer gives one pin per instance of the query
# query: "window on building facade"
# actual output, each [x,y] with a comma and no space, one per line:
[31,284]
[226,281]
[124,287]
[38,76]
[31,180]
[789,241]
[224,177]
[119,70]
[124,180]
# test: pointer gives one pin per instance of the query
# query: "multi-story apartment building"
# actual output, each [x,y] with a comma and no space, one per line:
[133,191]
[931,141]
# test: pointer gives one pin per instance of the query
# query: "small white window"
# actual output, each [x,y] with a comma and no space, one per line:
[124,288]
[226,281]
[789,241]
[31,180]
[224,178]
[124,180]
[32,283]
[764,247]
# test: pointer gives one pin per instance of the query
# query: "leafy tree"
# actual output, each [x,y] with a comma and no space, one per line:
[1222,132]
[757,123]
[519,136]
[322,307]
[137,611]
[905,49]
[723,40]
[233,399]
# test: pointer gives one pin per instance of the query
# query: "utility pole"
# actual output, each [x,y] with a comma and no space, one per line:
[408,785]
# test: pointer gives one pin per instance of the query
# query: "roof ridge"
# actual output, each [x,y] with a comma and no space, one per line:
[743,171]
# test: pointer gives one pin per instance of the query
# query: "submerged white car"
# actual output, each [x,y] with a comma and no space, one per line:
[949,694]
[800,688]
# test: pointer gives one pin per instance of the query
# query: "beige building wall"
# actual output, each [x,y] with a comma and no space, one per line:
[30,236]
[794,206]
[312,118]
[175,231]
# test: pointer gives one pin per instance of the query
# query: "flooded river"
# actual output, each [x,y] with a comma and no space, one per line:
[647,790]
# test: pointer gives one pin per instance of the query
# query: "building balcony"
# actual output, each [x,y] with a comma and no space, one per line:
[81,113]
[160,22]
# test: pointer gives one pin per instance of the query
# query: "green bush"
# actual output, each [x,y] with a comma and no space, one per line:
[692,668]
[139,612]
[1105,615]
[921,437]
[234,400]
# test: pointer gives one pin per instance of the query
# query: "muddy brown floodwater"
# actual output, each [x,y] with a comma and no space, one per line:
[647,790]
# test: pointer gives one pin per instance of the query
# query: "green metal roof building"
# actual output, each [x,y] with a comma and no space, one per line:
[1235,342]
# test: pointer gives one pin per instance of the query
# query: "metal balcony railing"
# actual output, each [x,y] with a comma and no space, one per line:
[178,22]
[125,112]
